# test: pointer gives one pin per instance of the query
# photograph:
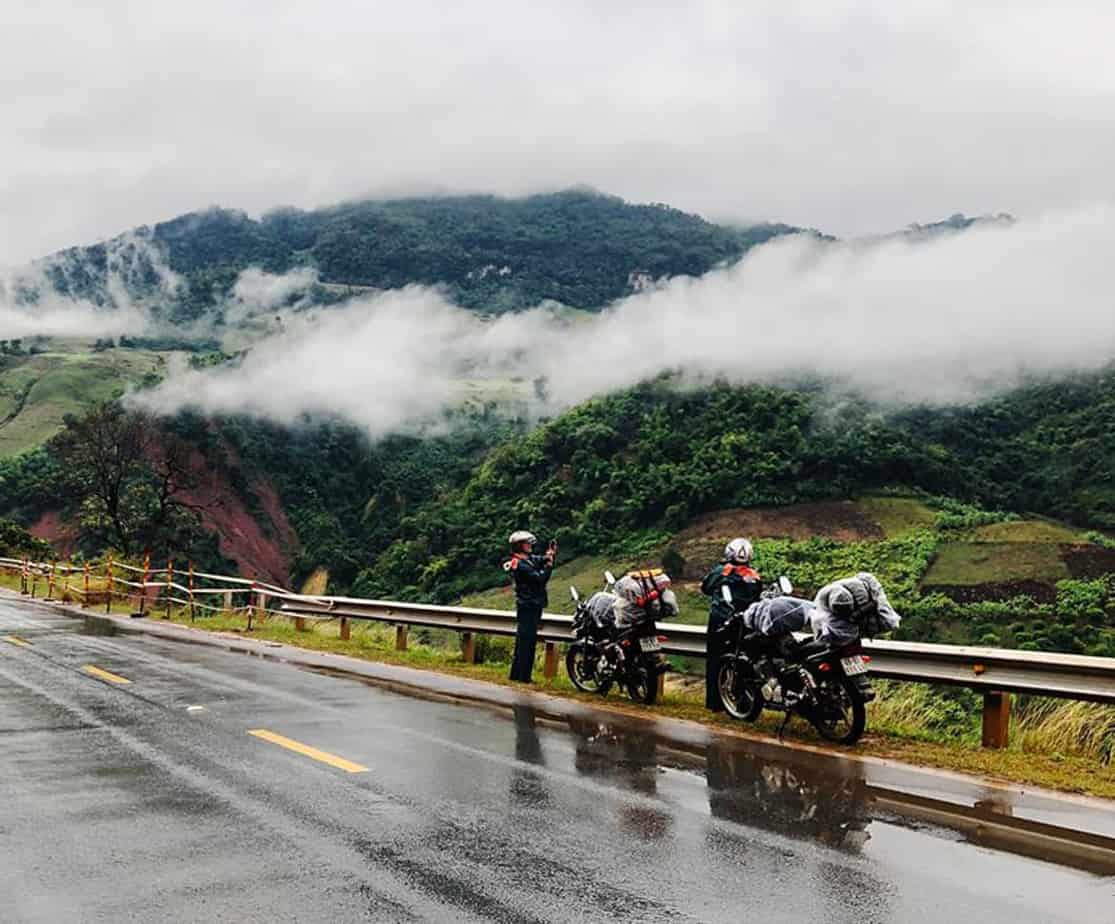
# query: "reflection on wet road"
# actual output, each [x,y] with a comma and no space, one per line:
[215,786]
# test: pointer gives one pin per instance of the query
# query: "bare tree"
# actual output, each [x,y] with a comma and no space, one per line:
[132,476]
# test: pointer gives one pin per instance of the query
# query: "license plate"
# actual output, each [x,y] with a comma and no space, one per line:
[854,665]
[649,644]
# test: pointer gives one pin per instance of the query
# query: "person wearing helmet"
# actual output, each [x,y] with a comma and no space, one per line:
[530,574]
[736,572]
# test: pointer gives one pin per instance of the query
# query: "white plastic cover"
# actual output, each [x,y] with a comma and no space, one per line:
[778,615]
[873,618]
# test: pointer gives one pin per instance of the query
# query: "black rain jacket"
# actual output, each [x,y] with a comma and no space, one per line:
[530,574]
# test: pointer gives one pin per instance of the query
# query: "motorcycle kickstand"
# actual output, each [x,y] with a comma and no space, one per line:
[782,727]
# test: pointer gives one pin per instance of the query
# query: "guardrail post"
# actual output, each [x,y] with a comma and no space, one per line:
[300,624]
[550,662]
[50,582]
[468,647]
[228,600]
[85,588]
[109,585]
[401,638]
[661,686]
[346,630]
[261,606]
[996,719]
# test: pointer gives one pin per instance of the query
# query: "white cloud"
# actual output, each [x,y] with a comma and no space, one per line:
[950,319]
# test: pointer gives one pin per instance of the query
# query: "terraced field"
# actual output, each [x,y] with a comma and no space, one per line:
[36,392]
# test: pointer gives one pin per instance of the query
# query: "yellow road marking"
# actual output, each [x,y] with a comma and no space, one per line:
[16,640]
[324,756]
[104,675]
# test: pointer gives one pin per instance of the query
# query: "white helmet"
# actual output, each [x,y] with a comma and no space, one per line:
[738,551]
[519,537]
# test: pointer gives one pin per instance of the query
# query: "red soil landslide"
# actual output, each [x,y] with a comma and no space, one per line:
[261,550]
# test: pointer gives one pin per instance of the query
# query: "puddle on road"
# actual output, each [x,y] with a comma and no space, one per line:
[91,625]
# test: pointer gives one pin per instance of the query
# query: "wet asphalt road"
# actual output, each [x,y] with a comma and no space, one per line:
[151,801]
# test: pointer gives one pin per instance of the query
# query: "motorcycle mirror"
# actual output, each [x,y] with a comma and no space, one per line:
[573,593]
[785,585]
[609,577]
[726,593]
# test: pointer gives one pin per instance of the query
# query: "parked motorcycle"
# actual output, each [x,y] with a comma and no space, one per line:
[605,654]
[826,685]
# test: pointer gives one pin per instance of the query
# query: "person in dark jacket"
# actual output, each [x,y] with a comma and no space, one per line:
[530,572]
[736,572]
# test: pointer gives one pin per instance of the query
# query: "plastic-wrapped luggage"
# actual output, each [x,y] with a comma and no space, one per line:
[644,594]
[872,614]
[601,608]
[778,616]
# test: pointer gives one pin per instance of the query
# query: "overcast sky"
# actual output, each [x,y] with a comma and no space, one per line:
[850,117]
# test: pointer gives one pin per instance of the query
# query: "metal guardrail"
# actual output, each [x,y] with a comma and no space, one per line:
[995,672]
[1033,672]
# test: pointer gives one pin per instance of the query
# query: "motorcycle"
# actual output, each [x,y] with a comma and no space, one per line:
[605,654]
[826,685]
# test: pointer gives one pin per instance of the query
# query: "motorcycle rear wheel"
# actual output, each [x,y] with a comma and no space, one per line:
[583,671]
[642,685]
[741,700]
[840,714]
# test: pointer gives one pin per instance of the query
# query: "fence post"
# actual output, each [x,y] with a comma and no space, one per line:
[169,581]
[109,585]
[661,686]
[300,624]
[191,589]
[228,600]
[346,630]
[50,581]
[261,606]
[23,577]
[468,647]
[85,588]
[401,638]
[996,719]
[34,581]
[143,588]
[550,662]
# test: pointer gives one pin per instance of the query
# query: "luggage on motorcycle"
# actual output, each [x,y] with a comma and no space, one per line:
[643,594]
[600,608]
[778,616]
[872,615]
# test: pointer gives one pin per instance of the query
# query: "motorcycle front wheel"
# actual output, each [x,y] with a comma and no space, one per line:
[741,699]
[839,714]
[582,670]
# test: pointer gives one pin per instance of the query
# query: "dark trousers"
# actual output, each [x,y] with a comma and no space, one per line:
[526,637]
[716,649]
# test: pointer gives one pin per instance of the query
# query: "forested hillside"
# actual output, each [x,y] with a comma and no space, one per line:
[580,248]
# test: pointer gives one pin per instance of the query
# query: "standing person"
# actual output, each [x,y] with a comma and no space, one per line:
[530,573]
[736,572]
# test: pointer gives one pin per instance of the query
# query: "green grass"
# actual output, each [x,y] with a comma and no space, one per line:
[967,563]
[1026,531]
[898,516]
[52,385]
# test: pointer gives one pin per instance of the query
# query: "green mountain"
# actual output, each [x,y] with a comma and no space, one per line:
[578,247]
